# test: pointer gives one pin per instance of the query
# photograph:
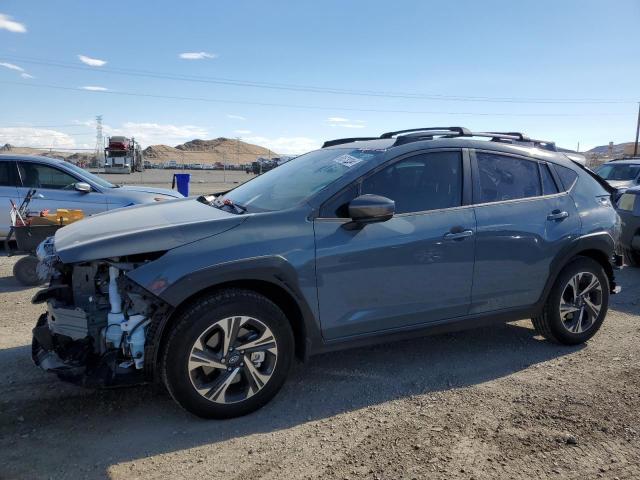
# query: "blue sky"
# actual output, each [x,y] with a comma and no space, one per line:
[561,70]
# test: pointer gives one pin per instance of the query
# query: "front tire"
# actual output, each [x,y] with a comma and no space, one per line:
[228,354]
[576,305]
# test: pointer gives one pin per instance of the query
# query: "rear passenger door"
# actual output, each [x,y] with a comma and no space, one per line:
[524,218]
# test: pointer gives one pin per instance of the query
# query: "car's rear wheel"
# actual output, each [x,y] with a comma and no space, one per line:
[632,258]
[228,354]
[577,304]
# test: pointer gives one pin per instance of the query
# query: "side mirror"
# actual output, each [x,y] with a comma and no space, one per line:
[371,209]
[82,187]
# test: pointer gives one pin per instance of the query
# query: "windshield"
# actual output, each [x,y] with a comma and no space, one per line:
[619,172]
[101,182]
[291,183]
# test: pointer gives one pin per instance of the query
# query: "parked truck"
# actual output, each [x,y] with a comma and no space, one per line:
[123,155]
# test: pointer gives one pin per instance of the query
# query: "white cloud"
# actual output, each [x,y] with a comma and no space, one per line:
[285,145]
[94,88]
[35,137]
[155,133]
[242,132]
[92,62]
[197,55]
[347,125]
[6,23]
[26,75]
[345,122]
[11,66]
[236,117]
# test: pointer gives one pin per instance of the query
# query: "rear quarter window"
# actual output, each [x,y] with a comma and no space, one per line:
[567,176]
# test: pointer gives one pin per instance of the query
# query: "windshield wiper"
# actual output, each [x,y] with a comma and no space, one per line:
[218,202]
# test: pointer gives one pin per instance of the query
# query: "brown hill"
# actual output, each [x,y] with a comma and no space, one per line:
[75,157]
[223,150]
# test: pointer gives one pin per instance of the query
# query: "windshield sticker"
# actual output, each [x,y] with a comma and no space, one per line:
[347,160]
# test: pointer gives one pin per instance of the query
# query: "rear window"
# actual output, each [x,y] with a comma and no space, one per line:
[506,178]
[627,202]
[567,176]
[548,183]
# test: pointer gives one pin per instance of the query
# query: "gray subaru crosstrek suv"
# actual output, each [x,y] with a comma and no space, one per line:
[365,240]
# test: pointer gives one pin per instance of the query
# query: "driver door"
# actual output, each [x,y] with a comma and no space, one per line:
[411,270]
[57,189]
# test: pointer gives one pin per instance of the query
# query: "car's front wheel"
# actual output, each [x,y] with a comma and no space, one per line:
[577,304]
[228,354]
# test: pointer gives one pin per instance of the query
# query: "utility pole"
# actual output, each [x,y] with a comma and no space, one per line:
[635,147]
[99,144]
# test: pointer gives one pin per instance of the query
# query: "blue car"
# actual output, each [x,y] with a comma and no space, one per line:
[61,184]
[365,240]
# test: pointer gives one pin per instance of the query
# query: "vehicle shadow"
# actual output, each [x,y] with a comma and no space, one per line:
[10,284]
[104,428]
[627,301]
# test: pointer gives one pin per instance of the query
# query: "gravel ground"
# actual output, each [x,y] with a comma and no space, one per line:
[202,181]
[490,403]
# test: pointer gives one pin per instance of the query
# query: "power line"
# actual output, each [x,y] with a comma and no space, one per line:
[314,89]
[303,107]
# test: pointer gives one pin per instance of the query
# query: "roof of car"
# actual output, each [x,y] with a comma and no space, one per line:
[31,158]
[457,142]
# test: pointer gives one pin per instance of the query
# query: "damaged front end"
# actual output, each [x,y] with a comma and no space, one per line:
[98,326]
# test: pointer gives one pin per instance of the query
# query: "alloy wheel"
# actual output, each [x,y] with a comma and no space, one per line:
[581,302]
[233,359]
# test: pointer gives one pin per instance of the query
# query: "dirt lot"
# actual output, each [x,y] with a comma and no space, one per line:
[490,403]
[202,181]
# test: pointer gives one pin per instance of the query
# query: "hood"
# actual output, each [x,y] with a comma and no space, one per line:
[152,227]
[142,189]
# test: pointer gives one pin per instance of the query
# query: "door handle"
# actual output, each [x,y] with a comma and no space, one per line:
[459,235]
[557,215]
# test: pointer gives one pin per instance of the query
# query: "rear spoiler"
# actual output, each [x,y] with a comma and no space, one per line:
[603,183]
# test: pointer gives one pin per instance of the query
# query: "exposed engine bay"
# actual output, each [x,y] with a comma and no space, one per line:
[97,321]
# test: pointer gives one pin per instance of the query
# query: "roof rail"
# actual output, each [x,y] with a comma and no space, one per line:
[458,131]
[428,133]
[521,137]
[339,141]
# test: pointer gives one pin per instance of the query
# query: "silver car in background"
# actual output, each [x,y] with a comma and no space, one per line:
[61,184]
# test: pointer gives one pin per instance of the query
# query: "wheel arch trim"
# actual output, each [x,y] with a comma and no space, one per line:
[600,246]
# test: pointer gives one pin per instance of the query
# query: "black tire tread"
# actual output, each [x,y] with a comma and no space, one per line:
[183,322]
[543,322]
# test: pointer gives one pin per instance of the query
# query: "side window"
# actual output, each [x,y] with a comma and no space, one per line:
[8,174]
[549,186]
[427,181]
[567,176]
[338,205]
[506,178]
[43,176]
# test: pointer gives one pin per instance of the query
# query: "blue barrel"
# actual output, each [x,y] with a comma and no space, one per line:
[182,180]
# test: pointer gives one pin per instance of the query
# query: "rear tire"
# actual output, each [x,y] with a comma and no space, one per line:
[228,354]
[576,305]
[25,271]
[632,258]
